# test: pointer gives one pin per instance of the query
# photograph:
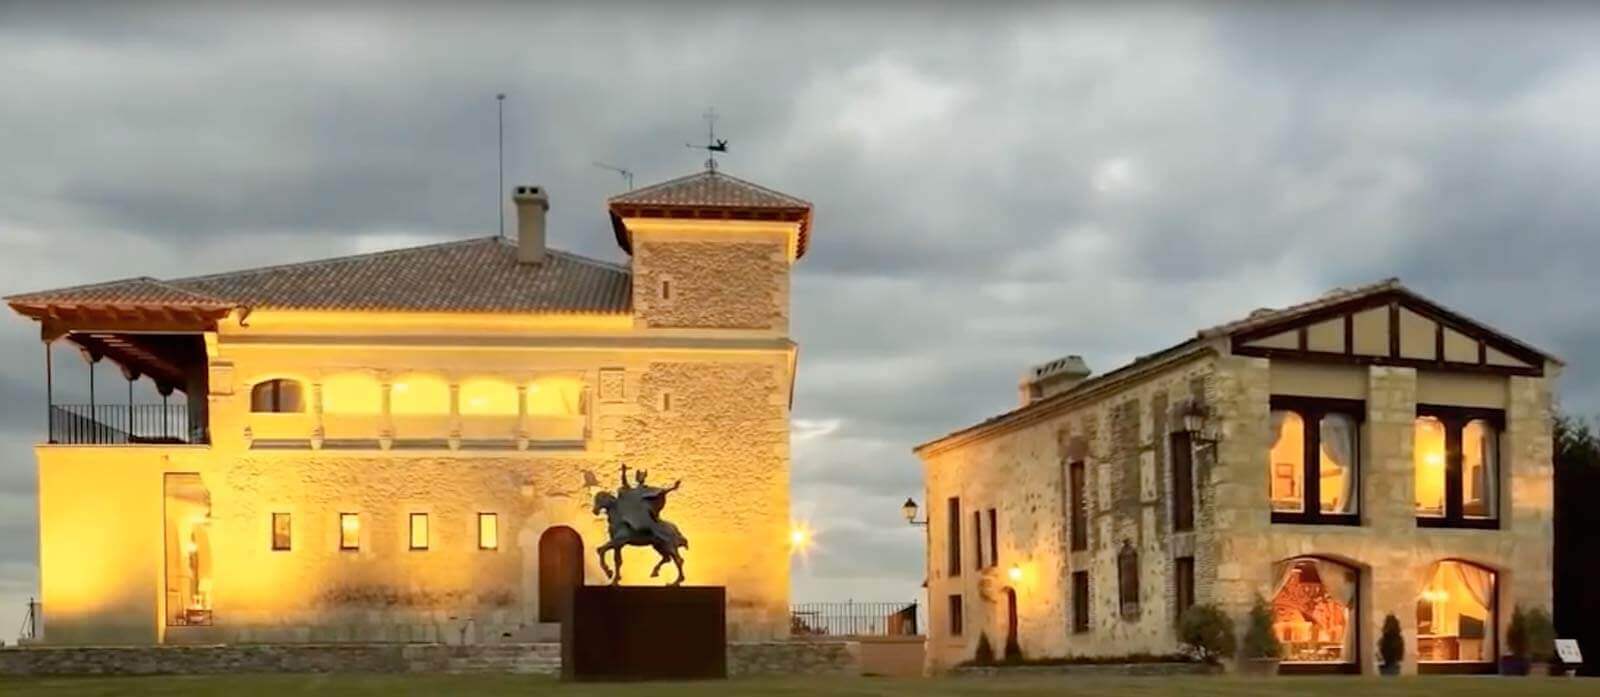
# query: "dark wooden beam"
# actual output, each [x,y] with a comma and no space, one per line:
[1350,359]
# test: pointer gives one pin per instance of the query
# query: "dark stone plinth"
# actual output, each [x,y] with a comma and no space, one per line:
[646,633]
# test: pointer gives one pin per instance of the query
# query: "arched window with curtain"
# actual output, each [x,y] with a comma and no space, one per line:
[1456,615]
[276,396]
[1314,612]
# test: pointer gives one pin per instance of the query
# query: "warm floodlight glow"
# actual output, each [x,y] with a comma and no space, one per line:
[1015,573]
[799,538]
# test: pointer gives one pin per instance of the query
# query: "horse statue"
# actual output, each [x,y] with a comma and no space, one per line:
[634,516]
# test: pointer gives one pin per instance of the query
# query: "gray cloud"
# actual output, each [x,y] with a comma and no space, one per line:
[993,188]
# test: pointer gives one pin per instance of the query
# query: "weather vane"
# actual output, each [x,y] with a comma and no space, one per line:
[713,145]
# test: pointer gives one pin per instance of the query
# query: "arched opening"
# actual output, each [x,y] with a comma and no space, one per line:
[419,406]
[1013,650]
[277,396]
[1456,617]
[560,572]
[488,409]
[1315,613]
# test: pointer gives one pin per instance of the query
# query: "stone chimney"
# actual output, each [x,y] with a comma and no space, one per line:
[532,203]
[1053,378]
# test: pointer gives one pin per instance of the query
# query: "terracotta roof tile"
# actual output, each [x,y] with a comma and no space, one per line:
[476,275]
[709,194]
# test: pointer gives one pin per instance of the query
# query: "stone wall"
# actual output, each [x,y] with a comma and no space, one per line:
[747,659]
[1122,437]
[540,659]
[711,284]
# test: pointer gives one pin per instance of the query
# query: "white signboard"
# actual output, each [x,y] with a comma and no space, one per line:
[1567,649]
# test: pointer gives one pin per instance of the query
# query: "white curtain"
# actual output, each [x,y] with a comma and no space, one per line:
[1478,582]
[1340,583]
[1338,447]
[1486,476]
[1277,426]
[1284,570]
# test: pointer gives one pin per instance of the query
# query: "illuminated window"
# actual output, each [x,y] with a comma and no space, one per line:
[488,531]
[419,531]
[276,396]
[280,532]
[349,531]
[1314,611]
[1456,614]
[419,395]
[1314,461]
[352,393]
[556,395]
[488,397]
[1456,453]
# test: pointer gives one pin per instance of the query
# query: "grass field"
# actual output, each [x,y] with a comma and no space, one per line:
[487,686]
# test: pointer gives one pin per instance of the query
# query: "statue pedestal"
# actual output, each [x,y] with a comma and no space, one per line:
[646,633]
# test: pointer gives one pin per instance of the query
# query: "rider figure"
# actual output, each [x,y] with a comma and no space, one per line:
[640,504]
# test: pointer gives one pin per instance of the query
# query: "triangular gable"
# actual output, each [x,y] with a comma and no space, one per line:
[1391,326]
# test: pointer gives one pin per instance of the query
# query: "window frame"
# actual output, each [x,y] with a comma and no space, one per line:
[1311,411]
[1080,602]
[1348,667]
[411,531]
[493,517]
[1078,516]
[994,539]
[977,540]
[1183,491]
[1455,420]
[1182,587]
[1491,634]
[288,533]
[350,545]
[1128,590]
[953,536]
[956,609]
[274,396]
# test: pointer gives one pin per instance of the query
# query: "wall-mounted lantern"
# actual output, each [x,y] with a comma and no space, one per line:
[909,510]
[1199,422]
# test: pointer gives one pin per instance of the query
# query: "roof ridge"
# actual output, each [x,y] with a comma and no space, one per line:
[81,286]
[575,257]
[636,193]
[328,260]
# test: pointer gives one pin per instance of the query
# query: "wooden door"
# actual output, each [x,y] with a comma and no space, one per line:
[560,572]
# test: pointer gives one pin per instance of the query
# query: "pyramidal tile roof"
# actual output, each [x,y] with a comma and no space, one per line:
[474,275]
[708,194]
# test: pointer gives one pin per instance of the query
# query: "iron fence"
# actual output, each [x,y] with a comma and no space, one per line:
[851,618]
[117,424]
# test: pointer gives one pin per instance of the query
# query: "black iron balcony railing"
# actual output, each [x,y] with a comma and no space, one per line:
[122,424]
[851,618]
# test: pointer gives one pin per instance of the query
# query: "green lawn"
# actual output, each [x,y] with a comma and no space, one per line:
[487,685]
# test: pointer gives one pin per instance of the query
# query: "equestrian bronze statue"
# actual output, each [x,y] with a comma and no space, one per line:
[634,513]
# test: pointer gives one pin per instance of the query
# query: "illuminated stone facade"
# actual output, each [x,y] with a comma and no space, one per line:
[381,474]
[1123,427]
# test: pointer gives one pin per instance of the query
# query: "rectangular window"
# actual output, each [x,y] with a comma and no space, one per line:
[1314,461]
[280,532]
[1080,601]
[955,615]
[953,536]
[1456,454]
[977,540]
[1183,585]
[1079,514]
[488,531]
[1182,481]
[994,540]
[349,531]
[419,531]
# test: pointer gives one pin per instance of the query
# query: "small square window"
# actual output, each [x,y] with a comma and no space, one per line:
[419,531]
[488,531]
[349,531]
[280,532]
[666,289]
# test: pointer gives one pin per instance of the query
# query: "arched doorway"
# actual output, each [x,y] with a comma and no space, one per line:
[560,572]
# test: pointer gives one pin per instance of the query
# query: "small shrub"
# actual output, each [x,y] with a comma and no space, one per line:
[1259,641]
[1207,633]
[1013,651]
[1391,645]
[984,656]
[1541,635]
[1517,634]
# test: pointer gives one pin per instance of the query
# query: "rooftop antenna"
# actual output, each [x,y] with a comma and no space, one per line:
[626,173]
[500,191]
[712,146]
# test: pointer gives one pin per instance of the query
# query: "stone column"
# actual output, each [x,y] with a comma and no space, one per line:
[317,432]
[1388,501]
[386,417]
[1527,505]
[522,415]
[1233,516]
[455,414]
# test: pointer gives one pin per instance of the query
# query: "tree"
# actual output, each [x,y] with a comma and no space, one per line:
[1577,520]
[1391,645]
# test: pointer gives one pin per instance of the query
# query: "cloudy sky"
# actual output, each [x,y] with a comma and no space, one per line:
[992,188]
